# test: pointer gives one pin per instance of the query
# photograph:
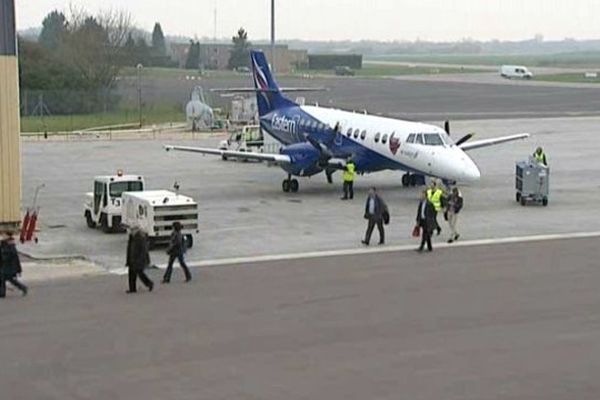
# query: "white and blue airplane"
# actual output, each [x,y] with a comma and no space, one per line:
[318,139]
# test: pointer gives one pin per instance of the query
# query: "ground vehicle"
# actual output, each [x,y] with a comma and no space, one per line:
[103,205]
[343,70]
[155,211]
[515,71]
[249,139]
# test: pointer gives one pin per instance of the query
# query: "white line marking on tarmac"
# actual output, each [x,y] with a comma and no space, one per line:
[377,249]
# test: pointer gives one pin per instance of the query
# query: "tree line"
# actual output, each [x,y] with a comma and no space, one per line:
[74,65]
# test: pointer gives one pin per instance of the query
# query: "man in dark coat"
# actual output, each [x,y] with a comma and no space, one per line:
[425,220]
[138,258]
[10,264]
[176,250]
[375,208]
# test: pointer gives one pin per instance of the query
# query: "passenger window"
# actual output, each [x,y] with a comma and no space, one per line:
[321,127]
[356,134]
[377,135]
[363,135]
[411,138]
[349,133]
[419,139]
[302,123]
[384,139]
[314,125]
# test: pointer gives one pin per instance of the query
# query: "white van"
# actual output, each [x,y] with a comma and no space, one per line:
[515,71]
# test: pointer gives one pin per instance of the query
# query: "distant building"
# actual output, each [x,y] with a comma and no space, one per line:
[216,56]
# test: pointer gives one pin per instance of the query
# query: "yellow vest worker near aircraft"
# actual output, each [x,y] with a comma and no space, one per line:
[435,195]
[540,156]
[348,178]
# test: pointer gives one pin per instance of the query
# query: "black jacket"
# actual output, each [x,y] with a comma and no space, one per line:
[429,221]
[138,256]
[380,208]
[455,203]
[176,245]
[10,264]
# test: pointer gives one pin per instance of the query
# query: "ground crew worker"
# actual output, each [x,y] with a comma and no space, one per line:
[349,173]
[436,196]
[540,156]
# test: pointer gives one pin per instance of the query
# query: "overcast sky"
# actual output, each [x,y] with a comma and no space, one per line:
[350,19]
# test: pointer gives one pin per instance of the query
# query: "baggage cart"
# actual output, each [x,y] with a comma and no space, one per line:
[532,182]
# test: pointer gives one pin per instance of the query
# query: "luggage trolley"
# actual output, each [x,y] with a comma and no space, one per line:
[532,182]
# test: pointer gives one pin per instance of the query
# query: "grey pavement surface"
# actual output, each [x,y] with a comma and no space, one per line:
[488,322]
[243,211]
[446,96]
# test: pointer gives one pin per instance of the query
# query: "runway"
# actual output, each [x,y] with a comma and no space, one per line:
[437,97]
[488,322]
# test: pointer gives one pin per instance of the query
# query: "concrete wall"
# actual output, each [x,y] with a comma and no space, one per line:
[10,152]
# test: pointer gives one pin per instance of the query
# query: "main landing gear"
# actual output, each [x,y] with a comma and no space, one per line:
[412,180]
[290,185]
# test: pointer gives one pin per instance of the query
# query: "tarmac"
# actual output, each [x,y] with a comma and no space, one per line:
[243,211]
[512,321]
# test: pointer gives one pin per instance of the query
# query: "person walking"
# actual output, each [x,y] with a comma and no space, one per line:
[425,220]
[435,195]
[454,203]
[138,258]
[348,177]
[10,264]
[176,250]
[375,212]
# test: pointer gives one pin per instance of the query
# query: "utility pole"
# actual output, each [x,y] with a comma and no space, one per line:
[273,35]
[10,150]
[139,68]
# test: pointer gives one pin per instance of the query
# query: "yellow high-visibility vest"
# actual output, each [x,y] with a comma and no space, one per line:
[435,197]
[349,172]
[540,157]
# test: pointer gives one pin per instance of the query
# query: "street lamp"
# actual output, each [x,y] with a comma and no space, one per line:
[139,68]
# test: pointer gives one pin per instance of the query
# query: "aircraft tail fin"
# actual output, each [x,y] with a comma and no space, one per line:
[268,93]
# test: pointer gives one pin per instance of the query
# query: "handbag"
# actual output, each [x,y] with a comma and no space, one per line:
[416,231]
[386,217]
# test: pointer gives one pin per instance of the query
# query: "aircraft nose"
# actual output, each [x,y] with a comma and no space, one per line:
[469,172]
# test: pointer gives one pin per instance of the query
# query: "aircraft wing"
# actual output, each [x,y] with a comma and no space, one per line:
[334,163]
[476,144]
[276,158]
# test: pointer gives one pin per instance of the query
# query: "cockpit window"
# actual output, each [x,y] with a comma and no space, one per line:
[433,139]
[419,139]
[411,138]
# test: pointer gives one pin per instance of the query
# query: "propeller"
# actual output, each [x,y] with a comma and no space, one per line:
[462,139]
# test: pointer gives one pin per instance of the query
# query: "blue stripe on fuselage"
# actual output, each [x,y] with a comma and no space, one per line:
[284,125]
